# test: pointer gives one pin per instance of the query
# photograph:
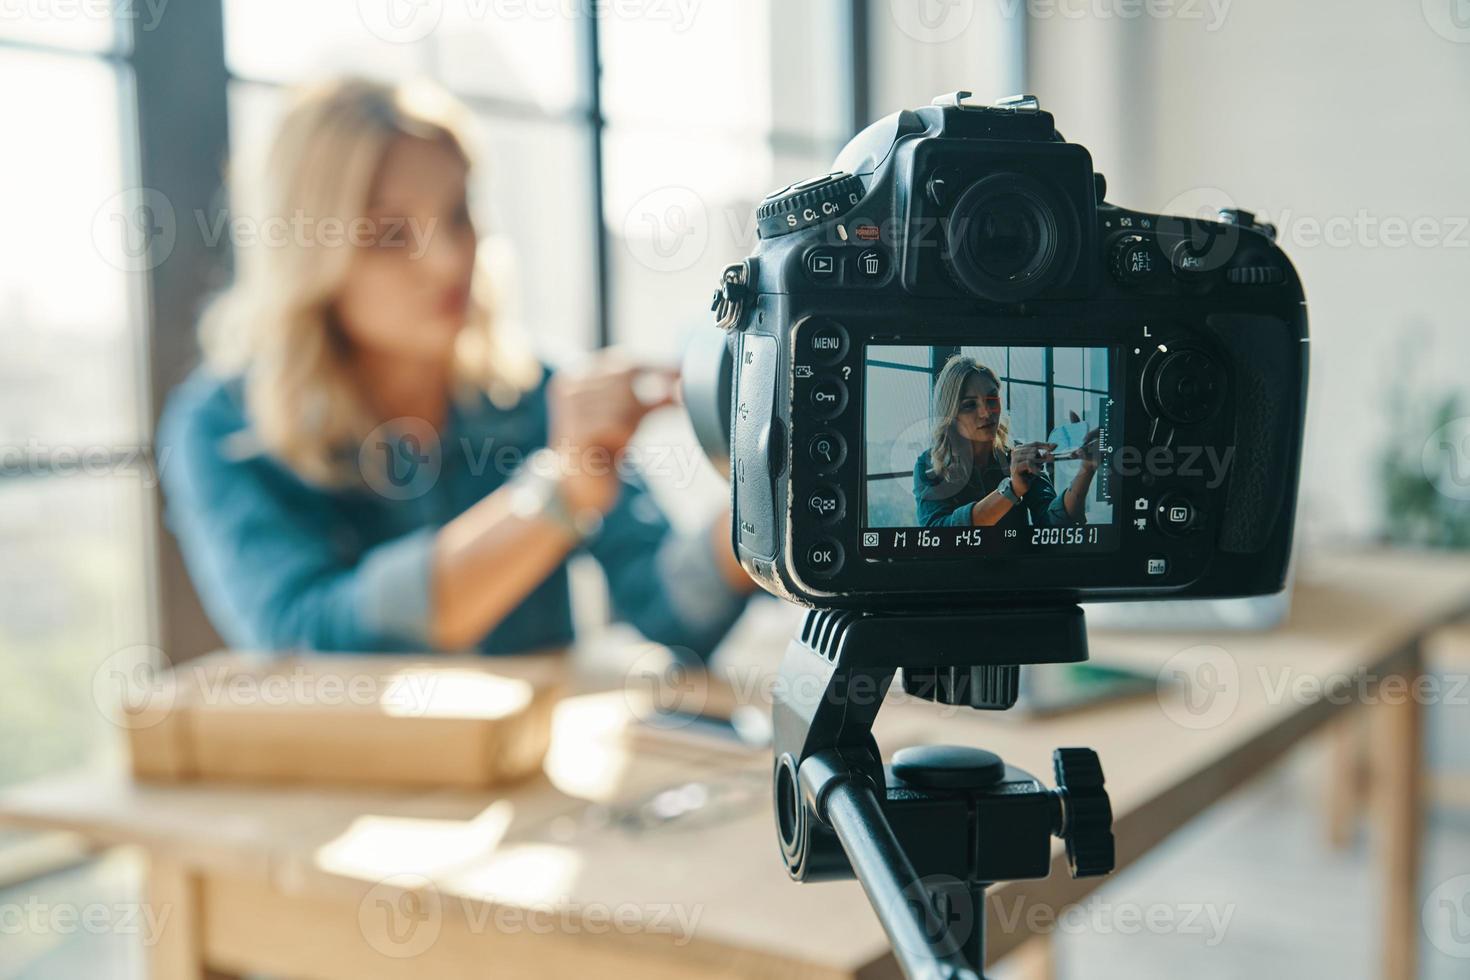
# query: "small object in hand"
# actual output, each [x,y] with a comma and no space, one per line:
[654,388]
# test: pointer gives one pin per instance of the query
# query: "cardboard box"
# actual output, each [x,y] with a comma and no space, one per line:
[459,722]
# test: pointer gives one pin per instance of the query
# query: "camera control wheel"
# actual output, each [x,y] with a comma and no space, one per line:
[808,203]
[1184,386]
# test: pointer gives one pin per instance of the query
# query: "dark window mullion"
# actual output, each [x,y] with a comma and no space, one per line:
[602,280]
[183,147]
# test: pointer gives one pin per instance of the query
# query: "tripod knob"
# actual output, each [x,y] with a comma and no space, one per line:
[1087,824]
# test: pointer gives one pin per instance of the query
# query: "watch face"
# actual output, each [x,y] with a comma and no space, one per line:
[527,500]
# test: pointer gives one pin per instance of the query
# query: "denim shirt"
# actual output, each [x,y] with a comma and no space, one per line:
[942,504]
[281,563]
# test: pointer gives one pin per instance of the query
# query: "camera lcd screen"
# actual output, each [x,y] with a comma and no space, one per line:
[988,450]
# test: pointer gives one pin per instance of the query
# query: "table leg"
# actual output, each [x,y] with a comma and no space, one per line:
[1345,789]
[1399,809]
[174,897]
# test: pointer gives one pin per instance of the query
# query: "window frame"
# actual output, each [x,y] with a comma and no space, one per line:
[176,141]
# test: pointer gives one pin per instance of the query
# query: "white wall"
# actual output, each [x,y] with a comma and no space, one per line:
[924,48]
[1327,117]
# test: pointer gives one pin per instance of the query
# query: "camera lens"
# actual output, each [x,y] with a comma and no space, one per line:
[1005,238]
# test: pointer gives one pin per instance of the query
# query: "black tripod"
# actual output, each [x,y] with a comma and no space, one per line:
[927,834]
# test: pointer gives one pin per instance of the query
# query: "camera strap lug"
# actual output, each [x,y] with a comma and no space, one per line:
[728,304]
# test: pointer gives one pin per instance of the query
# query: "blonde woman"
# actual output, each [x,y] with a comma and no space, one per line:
[367,462]
[972,476]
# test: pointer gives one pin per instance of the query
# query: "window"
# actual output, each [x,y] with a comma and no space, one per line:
[677,167]
[75,507]
[686,164]
[524,76]
[621,184]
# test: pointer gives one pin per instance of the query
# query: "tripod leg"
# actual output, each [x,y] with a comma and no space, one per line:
[921,939]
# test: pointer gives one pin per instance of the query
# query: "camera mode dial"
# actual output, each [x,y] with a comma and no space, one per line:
[808,203]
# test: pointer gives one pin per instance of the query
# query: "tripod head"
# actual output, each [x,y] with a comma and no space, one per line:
[939,823]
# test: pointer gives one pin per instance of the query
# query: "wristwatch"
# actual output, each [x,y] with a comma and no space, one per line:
[536,493]
[1006,491]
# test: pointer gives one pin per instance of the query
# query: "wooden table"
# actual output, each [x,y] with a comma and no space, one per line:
[576,872]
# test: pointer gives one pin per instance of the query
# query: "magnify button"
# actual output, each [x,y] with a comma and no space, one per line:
[827,450]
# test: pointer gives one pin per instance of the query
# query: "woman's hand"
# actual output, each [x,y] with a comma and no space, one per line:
[595,408]
[1027,460]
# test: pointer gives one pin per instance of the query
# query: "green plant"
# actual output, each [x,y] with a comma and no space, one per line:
[1425,472]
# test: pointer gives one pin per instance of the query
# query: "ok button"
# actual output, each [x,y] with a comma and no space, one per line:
[824,557]
[828,397]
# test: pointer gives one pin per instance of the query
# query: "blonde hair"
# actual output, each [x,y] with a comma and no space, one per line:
[274,327]
[949,453]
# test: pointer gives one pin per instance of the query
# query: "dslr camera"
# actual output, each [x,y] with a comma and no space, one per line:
[956,378]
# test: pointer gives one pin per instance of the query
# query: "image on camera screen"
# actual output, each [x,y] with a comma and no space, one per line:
[987,450]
